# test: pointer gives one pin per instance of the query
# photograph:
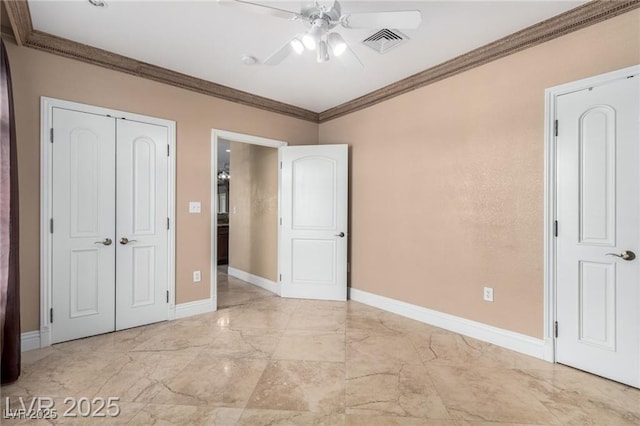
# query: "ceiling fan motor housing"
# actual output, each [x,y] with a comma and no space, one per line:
[312,13]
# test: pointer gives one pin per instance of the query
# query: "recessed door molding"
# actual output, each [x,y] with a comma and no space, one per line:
[46,201]
[550,194]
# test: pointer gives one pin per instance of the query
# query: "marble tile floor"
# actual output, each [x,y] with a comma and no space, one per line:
[263,360]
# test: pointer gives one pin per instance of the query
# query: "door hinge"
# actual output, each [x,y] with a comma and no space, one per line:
[167,296]
[168,150]
[167,223]
[51,225]
[280,277]
[556,127]
[555,228]
[281,165]
[51,135]
[51,315]
[555,329]
[280,221]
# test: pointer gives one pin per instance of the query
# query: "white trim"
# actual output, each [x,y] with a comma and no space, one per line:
[256,280]
[46,189]
[188,309]
[30,340]
[217,134]
[507,339]
[551,95]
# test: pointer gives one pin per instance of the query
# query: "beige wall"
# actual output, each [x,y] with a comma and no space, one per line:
[38,74]
[447,180]
[253,210]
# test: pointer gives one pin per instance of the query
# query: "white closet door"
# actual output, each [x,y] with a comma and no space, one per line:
[142,234]
[83,258]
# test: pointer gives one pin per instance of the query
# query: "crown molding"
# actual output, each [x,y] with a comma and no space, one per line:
[565,23]
[20,19]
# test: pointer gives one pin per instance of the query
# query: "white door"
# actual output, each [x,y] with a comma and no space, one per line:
[598,193]
[142,224]
[110,210]
[83,224]
[313,231]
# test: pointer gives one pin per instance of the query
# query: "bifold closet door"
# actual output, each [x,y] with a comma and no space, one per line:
[83,224]
[142,229]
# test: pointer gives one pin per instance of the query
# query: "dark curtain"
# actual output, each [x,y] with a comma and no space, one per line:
[9,280]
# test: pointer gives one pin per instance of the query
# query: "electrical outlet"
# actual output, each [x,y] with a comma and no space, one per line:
[196,276]
[488,294]
[194,207]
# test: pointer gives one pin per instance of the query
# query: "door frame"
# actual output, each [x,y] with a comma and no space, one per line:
[46,187]
[550,186]
[216,135]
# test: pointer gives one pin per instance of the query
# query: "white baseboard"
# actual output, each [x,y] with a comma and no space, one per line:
[507,339]
[184,310]
[264,283]
[30,340]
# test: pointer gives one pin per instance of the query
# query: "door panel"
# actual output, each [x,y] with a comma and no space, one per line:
[598,193]
[313,261]
[596,141]
[597,293]
[84,282]
[144,171]
[85,163]
[142,213]
[313,234]
[143,283]
[314,193]
[83,271]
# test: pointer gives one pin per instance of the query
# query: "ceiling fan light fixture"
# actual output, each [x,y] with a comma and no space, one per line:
[323,52]
[309,42]
[297,46]
[337,44]
[321,16]
[313,37]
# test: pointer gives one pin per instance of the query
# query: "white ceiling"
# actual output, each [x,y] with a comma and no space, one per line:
[207,40]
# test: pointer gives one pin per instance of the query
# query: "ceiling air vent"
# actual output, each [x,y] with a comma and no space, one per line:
[384,40]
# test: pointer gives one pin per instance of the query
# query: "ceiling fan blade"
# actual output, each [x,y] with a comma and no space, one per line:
[261,8]
[350,60]
[342,52]
[280,54]
[402,19]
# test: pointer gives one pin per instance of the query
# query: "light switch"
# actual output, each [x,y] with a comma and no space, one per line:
[194,207]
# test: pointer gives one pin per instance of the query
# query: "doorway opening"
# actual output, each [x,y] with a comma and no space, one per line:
[245,211]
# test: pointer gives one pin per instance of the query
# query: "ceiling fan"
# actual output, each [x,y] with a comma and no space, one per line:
[322,16]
